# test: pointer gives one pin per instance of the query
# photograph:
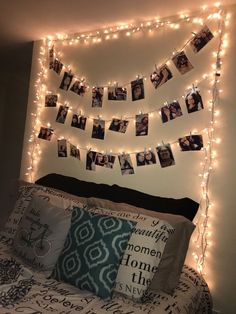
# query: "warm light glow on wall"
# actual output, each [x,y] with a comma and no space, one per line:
[202,239]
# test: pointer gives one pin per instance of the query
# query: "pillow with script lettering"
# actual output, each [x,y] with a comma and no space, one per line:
[143,253]
[92,251]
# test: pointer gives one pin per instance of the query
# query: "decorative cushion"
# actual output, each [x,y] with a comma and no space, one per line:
[169,270]
[184,206]
[25,194]
[41,233]
[143,253]
[94,247]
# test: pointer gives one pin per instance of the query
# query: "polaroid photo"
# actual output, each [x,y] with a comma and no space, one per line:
[145,158]
[78,121]
[45,133]
[137,89]
[119,125]
[90,160]
[201,39]
[182,62]
[62,113]
[51,100]
[141,124]
[74,151]
[191,142]
[165,155]
[171,111]
[160,76]
[193,101]
[57,66]
[62,148]
[65,83]
[126,165]
[51,57]
[105,160]
[97,96]
[98,131]
[79,88]
[117,93]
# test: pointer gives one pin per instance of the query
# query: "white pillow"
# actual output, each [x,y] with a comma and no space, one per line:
[143,253]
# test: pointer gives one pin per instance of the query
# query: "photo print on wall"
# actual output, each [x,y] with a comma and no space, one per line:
[137,89]
[165,155]
[57,66]
[201,39]
[45,133]
[171,111]
[51,100]
[90,160]
[97,96]
[145,158]
[160,76]
[105,160]
[191,142]
[78,121]
[62,148]
[141,124]
[62,113]
[66,80]
[117,93]
[119,125]
[126,165]
[98,129]
[79,88]
[193,101]
[74,151]
[182,62]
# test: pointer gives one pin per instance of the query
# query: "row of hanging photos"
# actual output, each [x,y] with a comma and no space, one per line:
[145,157]
[158,77]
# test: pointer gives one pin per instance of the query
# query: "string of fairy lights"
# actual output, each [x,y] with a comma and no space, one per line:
[201,239]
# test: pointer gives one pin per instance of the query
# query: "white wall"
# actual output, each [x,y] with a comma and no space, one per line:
[121,60]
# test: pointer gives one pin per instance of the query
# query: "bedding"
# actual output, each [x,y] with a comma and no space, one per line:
[171,288]
[191,296]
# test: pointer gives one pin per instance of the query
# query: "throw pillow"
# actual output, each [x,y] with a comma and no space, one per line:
[94,247]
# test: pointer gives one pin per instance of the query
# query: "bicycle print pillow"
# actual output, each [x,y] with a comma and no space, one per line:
[41,233]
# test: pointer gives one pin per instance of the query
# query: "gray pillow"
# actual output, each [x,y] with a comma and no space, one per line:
[41,233]
[167,276]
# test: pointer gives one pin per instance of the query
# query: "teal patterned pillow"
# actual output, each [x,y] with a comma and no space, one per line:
[92,252]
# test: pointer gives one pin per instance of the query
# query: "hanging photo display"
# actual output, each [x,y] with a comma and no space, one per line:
[45,133]
[97,96]
[62,113]
[51,57]
[137,89]
[79,88]
[98,129]
[193,101]
[62,148]
[141,124]
[57,66]
[90,160]
[51,100]
[165,155]
[126,165]
[78,121]
[171,111]
[145,158]
[74,151]
[160,76]
[105,160]
[182,62]
[201,39]
[117,93]
[119,125]
[191,142]
[65,83]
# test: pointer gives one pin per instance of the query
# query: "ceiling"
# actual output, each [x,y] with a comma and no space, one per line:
[28,20]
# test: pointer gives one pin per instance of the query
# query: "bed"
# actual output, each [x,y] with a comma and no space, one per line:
[135,264]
